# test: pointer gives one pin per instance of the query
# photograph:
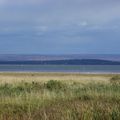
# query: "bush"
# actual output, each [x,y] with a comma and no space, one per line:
[115,79]
[55,85]
[10,89]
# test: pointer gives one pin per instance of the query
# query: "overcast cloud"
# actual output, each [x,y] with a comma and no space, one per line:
[59,26]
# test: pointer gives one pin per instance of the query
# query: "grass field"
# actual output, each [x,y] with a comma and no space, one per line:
[59,96]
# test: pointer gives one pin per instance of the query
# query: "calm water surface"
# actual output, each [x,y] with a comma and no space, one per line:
[61,68]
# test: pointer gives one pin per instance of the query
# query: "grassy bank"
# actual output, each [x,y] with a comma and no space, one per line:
[59,96]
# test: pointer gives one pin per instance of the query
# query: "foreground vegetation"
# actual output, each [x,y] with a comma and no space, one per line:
[58,96]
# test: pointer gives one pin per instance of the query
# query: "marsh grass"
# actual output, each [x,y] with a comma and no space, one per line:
[56,99]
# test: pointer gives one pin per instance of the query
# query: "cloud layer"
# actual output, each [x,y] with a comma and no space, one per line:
[59,26]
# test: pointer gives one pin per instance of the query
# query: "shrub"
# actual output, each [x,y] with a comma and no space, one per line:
[115,79]
[55,85]
[9,89]
[85,97]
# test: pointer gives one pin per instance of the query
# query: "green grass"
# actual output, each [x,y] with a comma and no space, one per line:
[60,100]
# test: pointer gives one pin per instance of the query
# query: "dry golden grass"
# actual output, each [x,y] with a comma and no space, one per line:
[44,77]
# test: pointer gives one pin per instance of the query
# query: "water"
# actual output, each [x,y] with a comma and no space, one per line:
[61,68]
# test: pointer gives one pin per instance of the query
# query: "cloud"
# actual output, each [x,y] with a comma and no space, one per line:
[84,23]
[42,28]
[62,11]
[21,2]
[59,22]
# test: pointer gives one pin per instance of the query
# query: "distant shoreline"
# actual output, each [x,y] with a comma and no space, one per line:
[79,73]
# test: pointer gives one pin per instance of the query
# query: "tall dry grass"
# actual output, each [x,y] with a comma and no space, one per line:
[58,96]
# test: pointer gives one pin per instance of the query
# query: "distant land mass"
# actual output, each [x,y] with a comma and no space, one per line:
[80,59]
[35,57]
[63,62]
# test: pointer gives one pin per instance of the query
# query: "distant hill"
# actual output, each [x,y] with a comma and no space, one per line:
[63,62]
[27,57]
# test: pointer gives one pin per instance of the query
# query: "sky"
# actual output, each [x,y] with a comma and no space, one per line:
[59,26]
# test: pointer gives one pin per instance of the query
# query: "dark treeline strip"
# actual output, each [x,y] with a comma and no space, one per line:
[63,62]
